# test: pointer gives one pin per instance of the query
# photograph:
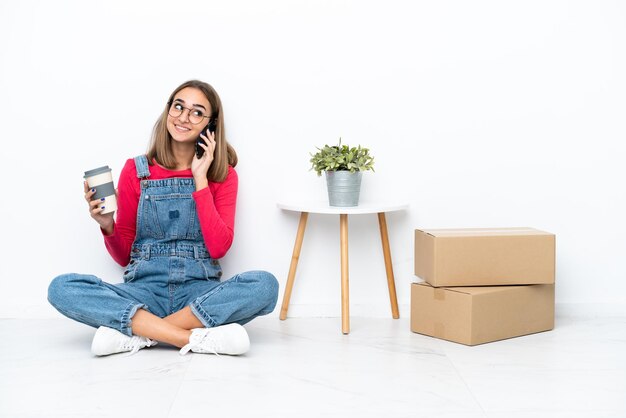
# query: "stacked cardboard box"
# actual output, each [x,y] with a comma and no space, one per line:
[483,285]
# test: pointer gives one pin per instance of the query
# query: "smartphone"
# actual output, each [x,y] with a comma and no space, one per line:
[199,149]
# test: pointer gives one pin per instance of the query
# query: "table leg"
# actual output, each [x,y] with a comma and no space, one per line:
[391,283]
[345,302]
[294,264]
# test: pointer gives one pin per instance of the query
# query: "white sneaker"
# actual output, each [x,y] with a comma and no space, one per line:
[229,339]
[109,341]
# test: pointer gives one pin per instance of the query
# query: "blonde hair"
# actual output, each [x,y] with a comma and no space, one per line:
[160,148]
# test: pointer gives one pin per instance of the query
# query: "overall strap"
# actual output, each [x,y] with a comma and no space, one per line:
[141,163]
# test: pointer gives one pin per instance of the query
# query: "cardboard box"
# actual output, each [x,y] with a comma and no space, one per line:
[477,315]
[484,256]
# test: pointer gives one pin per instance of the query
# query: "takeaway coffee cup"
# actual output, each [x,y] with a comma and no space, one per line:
[101,179]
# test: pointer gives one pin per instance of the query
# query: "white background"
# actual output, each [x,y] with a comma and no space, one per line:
[479,114]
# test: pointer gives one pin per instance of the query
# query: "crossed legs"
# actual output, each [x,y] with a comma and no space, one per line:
[89,300]
[174,329]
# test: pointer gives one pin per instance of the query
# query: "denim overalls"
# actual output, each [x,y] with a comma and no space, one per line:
[170,268]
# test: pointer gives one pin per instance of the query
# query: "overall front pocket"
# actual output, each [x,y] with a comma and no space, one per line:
[173,216]
[202,269]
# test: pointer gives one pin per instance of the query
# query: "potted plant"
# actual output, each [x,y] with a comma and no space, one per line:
[344,168]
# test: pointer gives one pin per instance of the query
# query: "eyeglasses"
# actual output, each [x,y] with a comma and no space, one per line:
[196,116]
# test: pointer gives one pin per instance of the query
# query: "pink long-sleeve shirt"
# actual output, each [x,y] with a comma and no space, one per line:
[215,206]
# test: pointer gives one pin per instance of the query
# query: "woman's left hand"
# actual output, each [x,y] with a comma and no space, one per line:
[200,166]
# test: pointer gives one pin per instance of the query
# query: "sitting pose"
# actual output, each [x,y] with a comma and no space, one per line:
[175,220]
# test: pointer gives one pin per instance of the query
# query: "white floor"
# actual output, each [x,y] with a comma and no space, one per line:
[307,368]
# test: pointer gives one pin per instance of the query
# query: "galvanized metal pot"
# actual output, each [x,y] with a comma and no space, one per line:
[343,188]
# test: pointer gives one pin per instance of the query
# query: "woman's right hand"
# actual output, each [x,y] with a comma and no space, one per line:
[95,208]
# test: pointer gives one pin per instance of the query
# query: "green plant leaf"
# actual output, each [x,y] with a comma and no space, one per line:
[341,157]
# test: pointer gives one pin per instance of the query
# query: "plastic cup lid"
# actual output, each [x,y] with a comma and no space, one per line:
[97,171]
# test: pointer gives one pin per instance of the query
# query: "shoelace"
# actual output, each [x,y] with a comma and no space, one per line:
[205,335]
[136,343]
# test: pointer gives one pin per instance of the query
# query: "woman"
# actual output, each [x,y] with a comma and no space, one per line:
[175,219]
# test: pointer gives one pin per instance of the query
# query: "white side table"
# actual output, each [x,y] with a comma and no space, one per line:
[323,208]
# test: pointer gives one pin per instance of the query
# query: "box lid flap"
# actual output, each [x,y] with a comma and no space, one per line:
[474,290]
[474,232]
[481,290]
